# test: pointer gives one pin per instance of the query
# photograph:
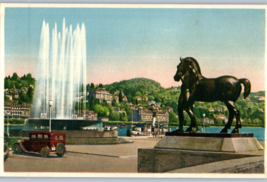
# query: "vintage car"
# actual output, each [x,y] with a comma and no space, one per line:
[6,149]
[42,142]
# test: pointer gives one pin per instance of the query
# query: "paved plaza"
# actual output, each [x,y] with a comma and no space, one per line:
[121,158]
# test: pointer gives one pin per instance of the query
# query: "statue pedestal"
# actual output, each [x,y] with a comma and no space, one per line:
[179,150]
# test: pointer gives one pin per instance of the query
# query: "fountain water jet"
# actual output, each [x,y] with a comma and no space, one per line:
[61,72]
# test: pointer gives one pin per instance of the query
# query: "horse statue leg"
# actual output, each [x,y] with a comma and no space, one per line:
[230,108]
[181,114]
[238,121]
[193,126]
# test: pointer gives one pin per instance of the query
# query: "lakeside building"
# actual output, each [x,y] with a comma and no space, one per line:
[102,119]
[207,120]
[85,114]
[222,117]
[17,111]
[146,115]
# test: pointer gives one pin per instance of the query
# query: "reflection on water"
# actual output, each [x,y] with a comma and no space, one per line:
[258,132]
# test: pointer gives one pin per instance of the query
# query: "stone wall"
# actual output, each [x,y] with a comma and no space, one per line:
[252,167]
[82,133]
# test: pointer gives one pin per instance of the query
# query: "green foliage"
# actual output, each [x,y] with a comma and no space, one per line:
[15,77]
[123,116]
[114,103]
[172,118]
[138,93]
[13,140]
[14,121]
[129,133]
[151,97]
[24,98]
[114,116]
[120,96]
[102,111]
[17,83]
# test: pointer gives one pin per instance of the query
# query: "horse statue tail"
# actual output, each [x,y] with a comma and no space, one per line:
[247,86]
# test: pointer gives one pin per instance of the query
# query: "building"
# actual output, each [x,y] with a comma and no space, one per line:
[259,97]
[124,98]
[18,111]
[221,116]
[211,110]
[87,115]
[139,98]
[9,96]
[24,89]
[116,110]
[151,102]
[103,119]
[101,95]
[207,120]
[131,105]
[169,109]
[146,115]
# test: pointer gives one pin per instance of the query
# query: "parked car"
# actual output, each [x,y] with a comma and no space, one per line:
[6,149]
[44,143]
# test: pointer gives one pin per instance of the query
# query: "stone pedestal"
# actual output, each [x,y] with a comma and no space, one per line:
[186,149]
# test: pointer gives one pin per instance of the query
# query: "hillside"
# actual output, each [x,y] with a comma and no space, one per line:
[136,87]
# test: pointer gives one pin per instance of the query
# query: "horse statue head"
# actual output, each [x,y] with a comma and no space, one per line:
[187,66]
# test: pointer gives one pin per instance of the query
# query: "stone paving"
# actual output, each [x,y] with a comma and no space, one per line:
[119,150]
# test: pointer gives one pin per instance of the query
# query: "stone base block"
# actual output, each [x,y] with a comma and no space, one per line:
[164,160]
[218,144]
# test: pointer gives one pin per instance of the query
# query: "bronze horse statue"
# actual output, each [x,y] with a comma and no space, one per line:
[196,87]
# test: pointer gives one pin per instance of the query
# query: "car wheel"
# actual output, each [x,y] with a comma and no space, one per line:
[60,148]
[44,152]
[17,149]
[6,152]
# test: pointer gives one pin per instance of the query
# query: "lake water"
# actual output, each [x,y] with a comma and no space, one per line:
[259,133]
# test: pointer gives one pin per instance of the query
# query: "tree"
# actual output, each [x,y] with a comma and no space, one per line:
[29,76]
[30,94]
[101,111]
[114,116]
[172,118]
[15,77]
[8,83]
[120,96]
[24,98]
[110,108]
[92,86]
[138,93]
[100,86]
[129,97]
[19,86]
[123,116]
[114,103]
[151,98]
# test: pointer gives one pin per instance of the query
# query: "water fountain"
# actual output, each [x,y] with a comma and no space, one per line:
[61,72]
[61,77]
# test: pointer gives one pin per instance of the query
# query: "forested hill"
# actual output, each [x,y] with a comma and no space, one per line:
[130,87]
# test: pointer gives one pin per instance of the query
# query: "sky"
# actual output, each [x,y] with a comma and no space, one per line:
[125,43]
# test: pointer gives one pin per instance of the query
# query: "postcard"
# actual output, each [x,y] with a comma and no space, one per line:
[159,91]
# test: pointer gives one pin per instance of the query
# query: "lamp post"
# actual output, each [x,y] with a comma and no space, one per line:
[8,125]
[132,119]
[50,106]
[204,122]
[154,120]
